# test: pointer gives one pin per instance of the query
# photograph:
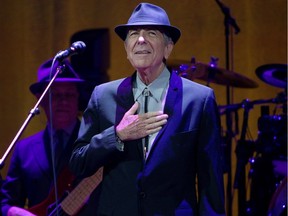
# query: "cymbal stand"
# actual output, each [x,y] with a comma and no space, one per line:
[34,111]
[228,21]
[242,158]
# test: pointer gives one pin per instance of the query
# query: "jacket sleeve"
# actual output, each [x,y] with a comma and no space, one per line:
[209,160]
[12,190]
[96,141]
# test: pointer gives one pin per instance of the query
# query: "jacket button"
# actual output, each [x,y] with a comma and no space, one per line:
[142,195]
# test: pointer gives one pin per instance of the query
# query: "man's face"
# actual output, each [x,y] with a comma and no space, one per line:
[146,48]
[64,104]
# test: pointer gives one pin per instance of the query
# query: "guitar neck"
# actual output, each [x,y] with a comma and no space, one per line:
[63,185]
[77,198]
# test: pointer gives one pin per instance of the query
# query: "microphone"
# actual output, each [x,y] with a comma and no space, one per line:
[76,48]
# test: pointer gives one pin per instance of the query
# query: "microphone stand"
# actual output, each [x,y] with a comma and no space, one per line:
[34,111]
[228,21]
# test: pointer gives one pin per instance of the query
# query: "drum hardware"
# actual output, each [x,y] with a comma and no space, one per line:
[273,126]
[245,150]
[271,151]
[263,184]
[210,73]
[270,147]
[272,136]
[281,98]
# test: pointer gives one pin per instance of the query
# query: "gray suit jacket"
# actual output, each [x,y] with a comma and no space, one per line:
[165,184]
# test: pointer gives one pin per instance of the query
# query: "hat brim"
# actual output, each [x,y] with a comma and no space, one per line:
[171,31]
[38,86]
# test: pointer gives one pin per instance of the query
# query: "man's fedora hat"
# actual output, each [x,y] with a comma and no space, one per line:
[146,14]
[66,75]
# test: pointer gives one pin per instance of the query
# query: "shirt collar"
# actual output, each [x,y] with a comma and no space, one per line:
[156,87]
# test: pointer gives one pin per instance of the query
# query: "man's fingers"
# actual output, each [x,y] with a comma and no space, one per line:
[156,124]
[133,109]
[153,114]
[154,130]
[134,126]
[153,117]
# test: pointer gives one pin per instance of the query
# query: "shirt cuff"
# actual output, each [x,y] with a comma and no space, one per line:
[119,144]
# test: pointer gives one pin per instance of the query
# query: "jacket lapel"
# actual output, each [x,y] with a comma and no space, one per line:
[173,95]
[42,153]
[125,100]
[175,85]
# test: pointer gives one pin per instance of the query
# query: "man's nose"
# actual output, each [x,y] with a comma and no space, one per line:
[141,39]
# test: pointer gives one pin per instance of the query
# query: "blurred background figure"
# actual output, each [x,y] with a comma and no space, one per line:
[39,161]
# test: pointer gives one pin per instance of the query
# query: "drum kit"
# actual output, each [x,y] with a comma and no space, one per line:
[210,73]
[268,154]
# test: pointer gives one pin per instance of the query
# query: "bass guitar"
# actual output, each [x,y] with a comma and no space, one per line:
[73,201]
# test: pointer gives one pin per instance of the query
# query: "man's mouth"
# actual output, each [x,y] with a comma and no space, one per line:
[142,52]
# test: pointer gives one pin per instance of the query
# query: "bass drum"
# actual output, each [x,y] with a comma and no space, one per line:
[278,204]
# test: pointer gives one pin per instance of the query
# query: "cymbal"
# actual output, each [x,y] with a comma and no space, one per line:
[211,74]
[273,74]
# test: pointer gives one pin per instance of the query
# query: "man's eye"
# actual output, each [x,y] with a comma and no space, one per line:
[132,33]
[152,33]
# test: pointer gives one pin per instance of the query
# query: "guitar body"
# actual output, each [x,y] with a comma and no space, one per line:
[63,187]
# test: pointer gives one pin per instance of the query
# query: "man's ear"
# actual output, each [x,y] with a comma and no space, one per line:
[168,50]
